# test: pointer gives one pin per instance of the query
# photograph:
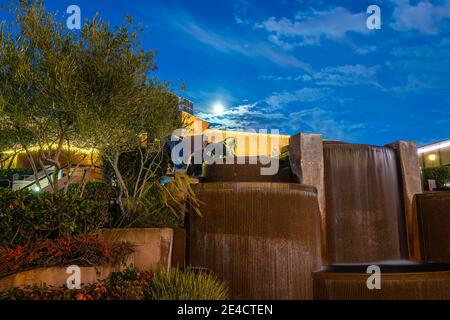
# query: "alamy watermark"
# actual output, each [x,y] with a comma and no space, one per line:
[216,147]
[74,279]
[374,20]
[374,280]
[74,20]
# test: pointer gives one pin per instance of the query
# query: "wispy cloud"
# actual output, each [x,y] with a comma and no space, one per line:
[347,75]
[418,68]
[240,11]
[408,70]
[309,28]
[235,44]
[424,17]
[280,99]
[336,76]
[244,117]
[323,121]
[255,116]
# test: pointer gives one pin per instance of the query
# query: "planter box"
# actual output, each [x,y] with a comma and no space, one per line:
[154,247]
[433,212]
[261,238]
[398,282]
[54,276]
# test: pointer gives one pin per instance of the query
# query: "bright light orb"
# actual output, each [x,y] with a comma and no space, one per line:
[218,108]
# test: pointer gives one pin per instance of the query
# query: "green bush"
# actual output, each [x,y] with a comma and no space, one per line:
[93,191]
[26,217]
[132,284]
[163,205]
[187,284]
[8,174]
[440,174]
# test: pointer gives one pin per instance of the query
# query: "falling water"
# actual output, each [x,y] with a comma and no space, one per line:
[364,221]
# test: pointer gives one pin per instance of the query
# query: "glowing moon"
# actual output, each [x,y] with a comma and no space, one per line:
[218,108]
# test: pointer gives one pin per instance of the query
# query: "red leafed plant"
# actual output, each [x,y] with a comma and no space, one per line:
[130,284]
[82,250]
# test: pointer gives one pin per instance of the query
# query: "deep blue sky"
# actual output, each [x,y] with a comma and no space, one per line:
[302,65]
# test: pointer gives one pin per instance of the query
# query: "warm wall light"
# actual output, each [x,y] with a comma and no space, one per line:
[35,148]
[432,157]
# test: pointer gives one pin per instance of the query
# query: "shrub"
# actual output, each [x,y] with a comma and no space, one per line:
[93,191]
[80,250]
[440,174]
[187,284]
[130,284]
[27,217]
[163,205]
[8,174]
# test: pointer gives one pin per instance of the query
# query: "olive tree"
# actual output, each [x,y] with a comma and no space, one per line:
[95,88]
[40,87]
[129,112]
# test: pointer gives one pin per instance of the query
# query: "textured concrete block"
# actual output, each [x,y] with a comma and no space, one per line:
[398,282]
[262,238]
[54,276]
[433,210]
[306,158]
[154,247]
[408,166]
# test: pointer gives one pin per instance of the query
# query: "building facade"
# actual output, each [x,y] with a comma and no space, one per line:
[185,105]
[435,154]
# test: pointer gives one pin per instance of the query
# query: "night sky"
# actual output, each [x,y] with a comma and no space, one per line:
[309,66]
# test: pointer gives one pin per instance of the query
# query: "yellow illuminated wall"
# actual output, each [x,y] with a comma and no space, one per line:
[88,162]
[193,123]
[435,158]
[250,143]
[247,143]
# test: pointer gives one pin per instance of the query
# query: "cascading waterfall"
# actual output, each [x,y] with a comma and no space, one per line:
[363,203]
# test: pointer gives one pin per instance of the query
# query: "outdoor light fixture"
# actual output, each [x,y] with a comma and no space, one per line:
[432,157]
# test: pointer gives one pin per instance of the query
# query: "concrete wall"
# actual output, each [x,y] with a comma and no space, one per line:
[251,144]
[262,238]
[411,181]
[154,247]
[433,212]
[307,166]
[55,277]
[394,286]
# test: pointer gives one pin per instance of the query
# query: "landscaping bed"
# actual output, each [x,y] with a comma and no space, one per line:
[132,284]
[83,251]
[51,231]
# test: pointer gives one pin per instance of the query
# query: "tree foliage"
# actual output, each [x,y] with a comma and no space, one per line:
[61,90]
